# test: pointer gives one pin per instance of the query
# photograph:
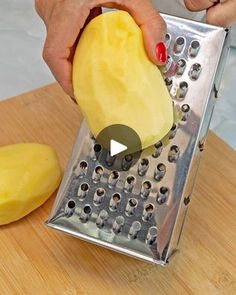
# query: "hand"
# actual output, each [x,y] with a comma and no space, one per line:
[221,13]
[64,20]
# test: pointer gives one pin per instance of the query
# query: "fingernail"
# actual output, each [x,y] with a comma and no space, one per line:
[161,52]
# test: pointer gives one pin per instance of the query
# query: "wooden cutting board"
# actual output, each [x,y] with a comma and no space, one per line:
[35,259]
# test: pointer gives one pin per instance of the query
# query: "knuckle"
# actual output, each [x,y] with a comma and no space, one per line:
[37,7]
[190,5]
[156,19]
[162,24]
[40,6]
[48,54]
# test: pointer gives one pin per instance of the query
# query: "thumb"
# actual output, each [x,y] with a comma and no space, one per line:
[151,23]
[153,27]
[154,30]
[223,14]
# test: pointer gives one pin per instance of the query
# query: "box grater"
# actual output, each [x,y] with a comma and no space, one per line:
[140,211]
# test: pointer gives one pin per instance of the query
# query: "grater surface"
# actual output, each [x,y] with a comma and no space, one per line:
[140,212]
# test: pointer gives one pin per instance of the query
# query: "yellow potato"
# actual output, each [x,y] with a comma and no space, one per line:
[29,174]
[115,82]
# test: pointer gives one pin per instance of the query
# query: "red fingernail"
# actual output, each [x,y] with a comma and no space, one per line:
[161,52]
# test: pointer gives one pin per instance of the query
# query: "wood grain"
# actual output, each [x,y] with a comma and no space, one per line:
[35,259]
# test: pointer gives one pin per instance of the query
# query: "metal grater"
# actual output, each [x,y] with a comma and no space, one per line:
[140,211]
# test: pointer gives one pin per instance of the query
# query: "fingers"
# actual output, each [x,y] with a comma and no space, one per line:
[62,32]
[151,23]
[65,19]
[154,30]
[198,5]
[223,14]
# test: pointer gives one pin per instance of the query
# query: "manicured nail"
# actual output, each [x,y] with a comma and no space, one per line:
[161,52]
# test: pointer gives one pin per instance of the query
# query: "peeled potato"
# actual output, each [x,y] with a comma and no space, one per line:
[29,174]
[115,82]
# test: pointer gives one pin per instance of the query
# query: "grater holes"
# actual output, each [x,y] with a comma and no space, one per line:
[168,62]
[116,197]
[128,158]
[148,212]
[158,145]
[83,190]
[173,131]
[84,186]
[71,204]
[83,165]
[96,151]
[127,162]
[143,166]
[151,235]
[195,44]
[100,192]
[158,149]
[144,162]
[147,185]
[185,108]
[169,83]
[134,229]
[118,224]
[99,196]
[129,183]
[181,66]
[180,41]
[81,169]
[102,218]
[182,91]
[149,208]
[85,213]
[173,154]
[99,170]
[195,71]
[87,209]
[113,178]
[194,48]
[115,174]
[131,206]
[160,172]
[167,40]
[167,37]
[179,45]
[110,159]
[97,148]
[115,201]
[130,179]
[164,190]
[97,173]
[133,203]
[69,208]
[145,189]
[162,195]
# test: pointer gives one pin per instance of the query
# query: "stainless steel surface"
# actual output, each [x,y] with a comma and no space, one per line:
[141,212]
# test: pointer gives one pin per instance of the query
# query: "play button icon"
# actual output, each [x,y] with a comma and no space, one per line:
[121,147]
[116,147]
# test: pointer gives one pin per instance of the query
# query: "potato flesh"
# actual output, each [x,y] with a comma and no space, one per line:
[29,174]
[115,82]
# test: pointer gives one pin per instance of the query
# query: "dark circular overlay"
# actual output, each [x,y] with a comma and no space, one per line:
[125,136]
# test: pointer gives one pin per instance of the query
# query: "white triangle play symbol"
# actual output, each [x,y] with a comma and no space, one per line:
[116,147]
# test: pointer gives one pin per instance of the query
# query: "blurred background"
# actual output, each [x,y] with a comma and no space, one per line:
[22,68]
